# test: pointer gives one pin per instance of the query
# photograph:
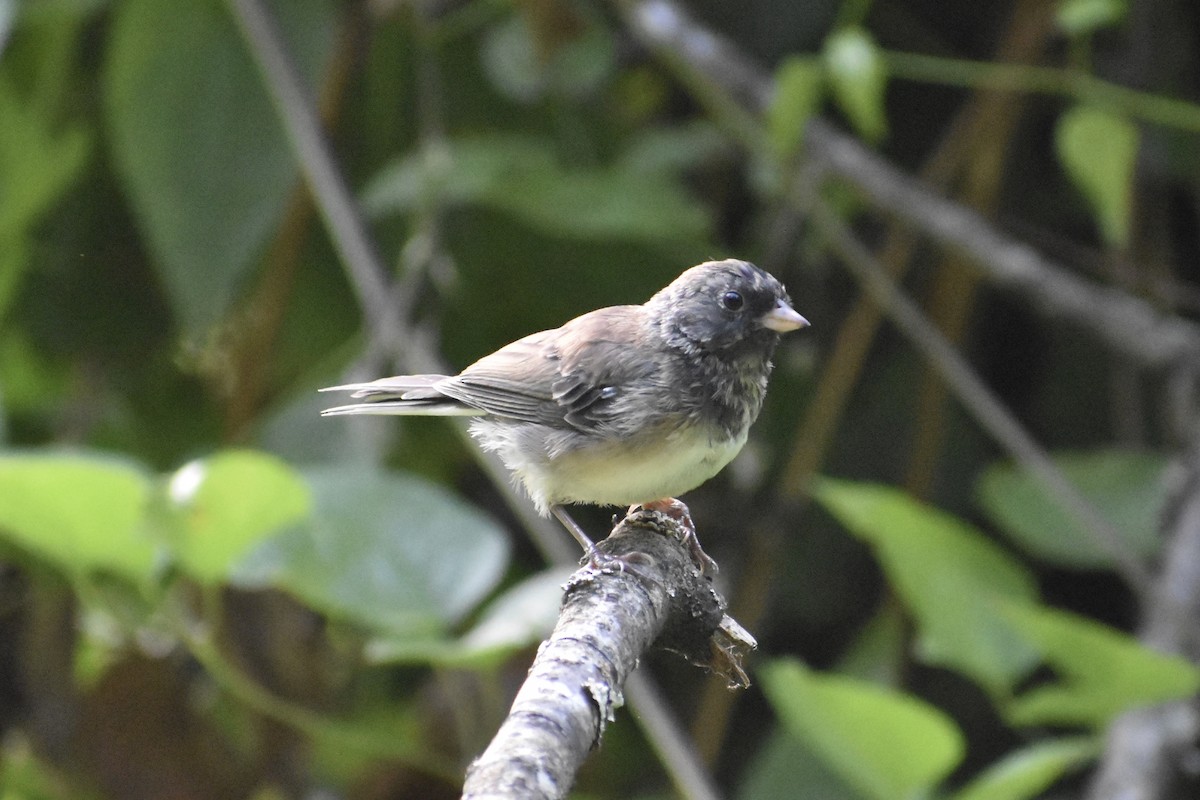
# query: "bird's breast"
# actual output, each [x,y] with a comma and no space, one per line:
[635,471]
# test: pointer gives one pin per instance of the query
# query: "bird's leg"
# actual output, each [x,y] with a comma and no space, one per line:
[676,510]
[574,529]
[596,559]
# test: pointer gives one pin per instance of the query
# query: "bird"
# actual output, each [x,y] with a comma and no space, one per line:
[627,405]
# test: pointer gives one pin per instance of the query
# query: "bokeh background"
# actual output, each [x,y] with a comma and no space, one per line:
[965,529]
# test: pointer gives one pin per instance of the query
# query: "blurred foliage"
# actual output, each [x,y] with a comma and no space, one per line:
[207,591]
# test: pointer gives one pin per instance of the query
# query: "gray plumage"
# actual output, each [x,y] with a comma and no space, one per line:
[623,405]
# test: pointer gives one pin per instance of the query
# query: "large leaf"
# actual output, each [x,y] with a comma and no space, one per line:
[1099,151]
[389,551]
[948,574]
[228,503]
[519,176]
[197,143]
[81,513]
[1126,488]
[522,616]
[888,745]
[1103,672]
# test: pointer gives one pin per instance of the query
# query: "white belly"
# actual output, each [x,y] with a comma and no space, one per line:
[620,475]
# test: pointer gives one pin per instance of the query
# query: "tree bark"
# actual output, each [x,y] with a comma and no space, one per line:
[652,594]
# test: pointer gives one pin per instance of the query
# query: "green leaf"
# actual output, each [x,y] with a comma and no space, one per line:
[1026,773]
[1083,17]
[859,80]
[886,744]
[1127,489]
[26,776]
[1103,672]
[81,513]
[522,616]
[226,504]
[198,145]
[517,175]
[456,172]
[526,69]
[799,86]
[947,573]
[38,162]
[878,653]
[8,15]
[672,150]
[392,552]
[1099,149]
[785,768]
[605,204]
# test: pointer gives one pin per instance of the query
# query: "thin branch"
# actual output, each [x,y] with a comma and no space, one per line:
[297,111]
[1125,324]
[676,752]
[196,636]
[609,621]
[1145,747]
[975,396]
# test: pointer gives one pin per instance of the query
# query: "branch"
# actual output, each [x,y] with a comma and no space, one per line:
[297,112]
[609,620]
[1126,324]
[1146,750]
[973,393]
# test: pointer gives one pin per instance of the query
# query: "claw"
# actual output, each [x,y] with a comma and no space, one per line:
[678,511]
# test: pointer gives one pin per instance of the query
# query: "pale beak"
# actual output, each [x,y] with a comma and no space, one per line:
[783,318]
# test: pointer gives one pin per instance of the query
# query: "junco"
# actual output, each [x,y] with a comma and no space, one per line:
[624,405]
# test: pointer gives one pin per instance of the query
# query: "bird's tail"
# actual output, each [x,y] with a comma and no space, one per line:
[403,394]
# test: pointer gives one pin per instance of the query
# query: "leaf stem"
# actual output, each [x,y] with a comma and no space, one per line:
[1164,111]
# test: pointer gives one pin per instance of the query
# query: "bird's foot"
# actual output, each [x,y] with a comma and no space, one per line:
[608,562]
[596,560]
[678,511]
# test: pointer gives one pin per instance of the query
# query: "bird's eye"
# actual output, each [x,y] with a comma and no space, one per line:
[733,301]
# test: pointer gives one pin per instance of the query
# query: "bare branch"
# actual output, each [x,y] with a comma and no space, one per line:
[975,396]
[1125,324]
[297,112]
[609,620]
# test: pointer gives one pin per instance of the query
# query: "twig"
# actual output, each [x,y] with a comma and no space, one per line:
[609,620]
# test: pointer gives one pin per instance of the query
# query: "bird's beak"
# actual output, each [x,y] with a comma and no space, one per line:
[783,318]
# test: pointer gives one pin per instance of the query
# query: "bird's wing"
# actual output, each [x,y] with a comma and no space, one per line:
[569,377]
